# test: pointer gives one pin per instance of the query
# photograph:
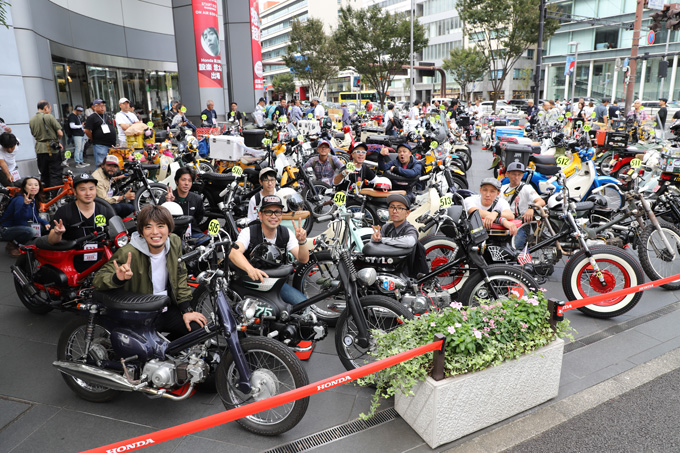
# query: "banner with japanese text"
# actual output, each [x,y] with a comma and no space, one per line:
[207,38]
[258,70]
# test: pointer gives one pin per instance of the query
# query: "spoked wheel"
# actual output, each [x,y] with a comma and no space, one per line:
[381,313]
[614,198]
[72,348]
[322,204]
[655,258]
[205,167]
[370,218]
[619,270]
[274,370]
[154,196]
[440,250]
[316,277]
[503,281]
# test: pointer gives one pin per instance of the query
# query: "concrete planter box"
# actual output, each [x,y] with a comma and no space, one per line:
[441,412]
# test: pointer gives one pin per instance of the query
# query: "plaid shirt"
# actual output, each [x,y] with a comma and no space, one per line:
[324,171]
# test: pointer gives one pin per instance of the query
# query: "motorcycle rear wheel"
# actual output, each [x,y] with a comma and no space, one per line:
[504,279]
[144,197]
[382,313]
[275,370]
[71,348]
[305,280]
[655,259]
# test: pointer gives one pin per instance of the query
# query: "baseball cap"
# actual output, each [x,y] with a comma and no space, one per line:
[515,166]
[110,159]
[79,107]
[323,142]
[664,99]
[270,200]
[98,101]
[122,100]
[261,100]
[315,98]
[404,145]
[400,198]
[492,182]
[84,177]
[266,170]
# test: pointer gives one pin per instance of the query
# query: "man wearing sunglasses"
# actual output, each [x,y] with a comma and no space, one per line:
[269,229]
[346,178]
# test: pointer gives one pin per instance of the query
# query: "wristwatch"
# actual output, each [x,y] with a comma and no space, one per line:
[187,310]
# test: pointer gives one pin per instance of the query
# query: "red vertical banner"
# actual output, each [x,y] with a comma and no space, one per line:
[207,39]
[258,70]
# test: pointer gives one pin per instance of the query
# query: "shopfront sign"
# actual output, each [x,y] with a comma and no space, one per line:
[258,70]
[207,39]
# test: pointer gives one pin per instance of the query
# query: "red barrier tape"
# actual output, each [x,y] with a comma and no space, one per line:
[259,406]
[570,305]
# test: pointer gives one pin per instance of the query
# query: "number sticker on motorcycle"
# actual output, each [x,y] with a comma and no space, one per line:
[150,124]
[99,220]
[340,198]
[586,128]
[350,166]
[434,144]
[139,156]
[236,170]
[300,138]
[445,202]
[266,142]
[562,161]
[560,118]
[213,227]
[183,110]
[67,154]
[635,163]
[568,114]
[204,117]
[593,115]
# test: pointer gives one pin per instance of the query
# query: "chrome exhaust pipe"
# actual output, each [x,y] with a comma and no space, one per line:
[23,281]
[94,375]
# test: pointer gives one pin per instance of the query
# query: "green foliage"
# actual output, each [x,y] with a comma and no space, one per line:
[376,44]
[318,63]
[284,84]
[477,338]
[503,31]
[4,6]
[466,66]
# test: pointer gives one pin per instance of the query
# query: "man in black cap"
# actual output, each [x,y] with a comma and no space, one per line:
[100,129]
[399,232]
[662,113]
[258,114]
[491,206]
[520,196]
[404,165]
[268,182]
[269,229]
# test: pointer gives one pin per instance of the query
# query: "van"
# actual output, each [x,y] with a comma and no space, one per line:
[441,100]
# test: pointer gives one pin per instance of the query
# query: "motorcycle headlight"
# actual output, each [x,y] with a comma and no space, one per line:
[367,276]
[383,215]
[248,309]
[121,239]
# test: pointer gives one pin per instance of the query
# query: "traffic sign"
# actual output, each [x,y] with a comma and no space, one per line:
[650,37]
[655,4]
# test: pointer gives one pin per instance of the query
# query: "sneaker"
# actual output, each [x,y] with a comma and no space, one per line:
[82,165]
[65,164]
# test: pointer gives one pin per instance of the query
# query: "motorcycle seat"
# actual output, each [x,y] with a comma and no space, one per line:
[543,160]
[497,229]
[218,176]
[378,249]
[119,299]
[296,215]
[548,170]
[339,135]
[379,194]
[150,166]
[276,272]
[182,220]
[60,246]
[585,205]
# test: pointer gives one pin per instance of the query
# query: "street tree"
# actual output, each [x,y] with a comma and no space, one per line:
[311,55]
[376,44]
[4,7]
[284,84]
[503,30]
[466,66]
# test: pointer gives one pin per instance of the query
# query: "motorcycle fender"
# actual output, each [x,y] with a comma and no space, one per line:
[602,180]
[477,259]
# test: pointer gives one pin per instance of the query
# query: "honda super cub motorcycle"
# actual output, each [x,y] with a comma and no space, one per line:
[116,348]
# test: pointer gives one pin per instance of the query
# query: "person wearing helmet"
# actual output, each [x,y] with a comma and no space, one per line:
[148,265]
[80,218]
[361,173]
[270,230]
[190,202]
[404,165]
[325,165]
[491,206]
[268,181]
[519,196]
[105,176]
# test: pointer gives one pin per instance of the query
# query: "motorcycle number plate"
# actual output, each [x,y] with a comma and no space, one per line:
[656,189]
[90,256]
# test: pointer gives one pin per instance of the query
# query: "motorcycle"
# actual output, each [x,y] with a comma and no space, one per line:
[116,348]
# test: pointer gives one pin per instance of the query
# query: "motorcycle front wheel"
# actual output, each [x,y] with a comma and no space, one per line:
[316,277]
[656,260]
[504,280]
[155,195]
[274,370]
[620,270]
[72,348]
[381,313]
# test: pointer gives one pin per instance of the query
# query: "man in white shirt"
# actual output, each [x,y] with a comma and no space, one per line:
[319,111]
[491,206]
[414,111]
[520,196]
[258,114]
[124,119]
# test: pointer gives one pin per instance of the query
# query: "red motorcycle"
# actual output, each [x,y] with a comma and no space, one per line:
[45,277]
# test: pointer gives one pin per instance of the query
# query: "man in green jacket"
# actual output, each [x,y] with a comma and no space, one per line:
[148,265]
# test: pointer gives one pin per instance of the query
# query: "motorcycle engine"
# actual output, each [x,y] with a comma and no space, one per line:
[170,374]
[388,284]
[161,374]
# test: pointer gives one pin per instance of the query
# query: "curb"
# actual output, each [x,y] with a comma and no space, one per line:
[522,429]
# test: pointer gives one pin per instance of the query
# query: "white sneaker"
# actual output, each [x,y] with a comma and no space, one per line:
[83,165]
[65,164]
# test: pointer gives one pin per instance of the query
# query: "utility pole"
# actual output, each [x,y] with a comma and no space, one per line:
[411,75]
[539,53]
[630,87]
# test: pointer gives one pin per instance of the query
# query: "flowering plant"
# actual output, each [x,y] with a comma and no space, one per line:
[476,338]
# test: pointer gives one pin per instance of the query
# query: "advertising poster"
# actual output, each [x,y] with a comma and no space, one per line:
[258,70]
[207,38]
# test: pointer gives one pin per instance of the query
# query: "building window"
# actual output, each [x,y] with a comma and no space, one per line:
[266,18]
[530,53]
[606,39]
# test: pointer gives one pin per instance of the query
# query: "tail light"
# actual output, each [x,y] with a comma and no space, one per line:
[121,239]
[665,176]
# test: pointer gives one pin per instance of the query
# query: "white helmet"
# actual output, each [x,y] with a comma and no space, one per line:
[174,208]
[292,201]
[382,183]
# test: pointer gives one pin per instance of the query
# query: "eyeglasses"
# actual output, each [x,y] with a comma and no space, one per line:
[397,208]
[269,213]
[269,180]
[359,151]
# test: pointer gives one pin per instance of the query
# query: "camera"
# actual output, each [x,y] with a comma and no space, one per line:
[55,146]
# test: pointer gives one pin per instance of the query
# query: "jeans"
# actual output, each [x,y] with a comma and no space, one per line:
[100,152]
[521,239]
[291,295]
[123,209]
[20,234]
[79,142]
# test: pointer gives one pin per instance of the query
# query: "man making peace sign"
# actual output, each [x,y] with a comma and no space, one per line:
[269,229]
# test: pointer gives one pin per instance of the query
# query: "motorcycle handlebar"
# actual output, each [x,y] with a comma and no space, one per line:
[87,238]
[427,226]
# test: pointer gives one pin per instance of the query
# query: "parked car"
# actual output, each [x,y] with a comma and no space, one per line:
[521,104]
[501,108]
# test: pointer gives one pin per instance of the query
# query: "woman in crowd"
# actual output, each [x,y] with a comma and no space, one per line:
[21,221]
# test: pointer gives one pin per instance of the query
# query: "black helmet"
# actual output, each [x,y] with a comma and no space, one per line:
[267,256]
[599,200]
[327,123]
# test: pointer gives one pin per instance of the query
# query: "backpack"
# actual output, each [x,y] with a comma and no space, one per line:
[397,122]
[257,237]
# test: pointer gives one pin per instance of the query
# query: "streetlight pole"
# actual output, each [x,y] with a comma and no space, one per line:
[539,54]
[412,78]
[573,76]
